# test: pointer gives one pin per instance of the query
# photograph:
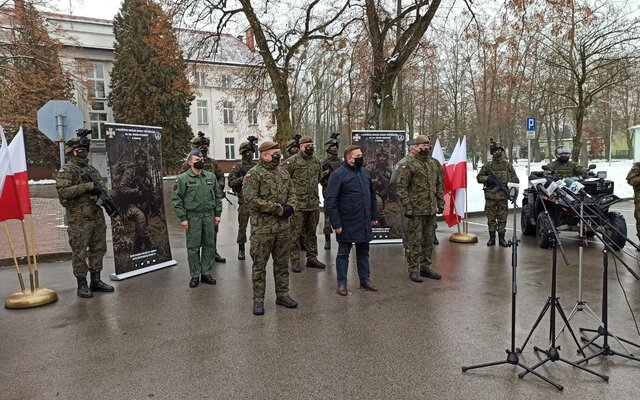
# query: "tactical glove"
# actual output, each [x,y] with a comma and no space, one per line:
[287,211]
[408,214]
[491,181]
[440,210]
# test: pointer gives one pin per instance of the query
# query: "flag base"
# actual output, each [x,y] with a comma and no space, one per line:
[460,237]
[26,299]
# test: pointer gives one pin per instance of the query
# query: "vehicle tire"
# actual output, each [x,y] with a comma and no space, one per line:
[543,231]
[526,226]
[618,234]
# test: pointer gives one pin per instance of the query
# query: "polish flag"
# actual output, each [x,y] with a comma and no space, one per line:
[4,160]
[457,170]
[448,214]
[15,200]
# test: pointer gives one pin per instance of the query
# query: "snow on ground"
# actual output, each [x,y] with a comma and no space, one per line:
[617,172]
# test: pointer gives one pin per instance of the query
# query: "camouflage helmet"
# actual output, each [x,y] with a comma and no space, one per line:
[76,142]
[562,153]
[200,140]
[292,143]
[495,146]
[246,146]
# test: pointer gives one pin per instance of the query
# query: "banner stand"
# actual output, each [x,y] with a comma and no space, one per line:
[140,271]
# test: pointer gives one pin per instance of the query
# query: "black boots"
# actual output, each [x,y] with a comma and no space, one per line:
[501,241]
[83,288]
[241,251]
[492,238]
[97,285]
[327,242]
[220,259]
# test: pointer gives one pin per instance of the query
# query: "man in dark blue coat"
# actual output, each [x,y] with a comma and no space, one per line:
[351,203]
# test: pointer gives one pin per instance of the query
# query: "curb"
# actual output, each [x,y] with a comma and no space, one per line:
[42,258]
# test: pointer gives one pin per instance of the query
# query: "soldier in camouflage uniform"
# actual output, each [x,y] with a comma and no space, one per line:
[562,166]
[134,193]
[236,176]
[293,148]
[420,192]
[202,143]
[329,164]
[633,178]
[305,171]
[269,195]
[197,200]
[496,196]
[85,220]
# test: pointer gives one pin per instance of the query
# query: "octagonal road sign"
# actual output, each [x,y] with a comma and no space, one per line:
[60,111]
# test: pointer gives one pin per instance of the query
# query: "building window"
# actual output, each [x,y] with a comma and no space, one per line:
[227,112]
[96,122]
[253,113]
[201,79]
[95,80]
[203,112]
[229,148]
[226,81]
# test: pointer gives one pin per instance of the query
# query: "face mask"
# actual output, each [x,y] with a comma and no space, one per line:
[293,150]
[333,151]
[309,151]
[247,156]
[198,164]
[497,155]
[358,162]
[275,159]
[563,159]
[82,153]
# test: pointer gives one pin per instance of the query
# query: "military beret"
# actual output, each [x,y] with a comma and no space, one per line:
[194,152]
[268,145]
[422,139]
[306,139]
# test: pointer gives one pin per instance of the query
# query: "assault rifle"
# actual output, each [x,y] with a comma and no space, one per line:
[499,185]
[104,200]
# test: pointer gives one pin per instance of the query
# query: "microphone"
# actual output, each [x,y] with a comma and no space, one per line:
[539,185]
[513,189]
[575,187]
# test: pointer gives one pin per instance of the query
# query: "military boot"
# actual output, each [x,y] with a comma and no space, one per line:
[241,251]
[315,263]
[220,259]
[83,289]
[492,238]
[501,241]
[97,285]
[435,240]
[286,301]
[258,308]
[327,242]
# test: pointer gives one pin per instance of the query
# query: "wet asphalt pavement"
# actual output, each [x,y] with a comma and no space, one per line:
[156,338]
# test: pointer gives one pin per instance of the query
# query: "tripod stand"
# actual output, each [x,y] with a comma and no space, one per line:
[603,330]
[553,304]
[512,356]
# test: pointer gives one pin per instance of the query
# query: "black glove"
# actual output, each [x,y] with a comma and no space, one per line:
[440,210]
[287,211]
[408,214]
[95,191]
[491,181]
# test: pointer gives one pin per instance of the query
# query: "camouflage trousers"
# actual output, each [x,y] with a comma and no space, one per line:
[327,224]
[497,212]
[201,243]
[243,221]
[263,246]
[304,223]
[404,226]
[420,232]
[88,241]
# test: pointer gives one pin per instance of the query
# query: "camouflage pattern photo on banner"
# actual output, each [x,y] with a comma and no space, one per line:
[382,150]
[140,236]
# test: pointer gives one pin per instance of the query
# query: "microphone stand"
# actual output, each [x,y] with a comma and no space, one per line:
[553,303]
[512,356]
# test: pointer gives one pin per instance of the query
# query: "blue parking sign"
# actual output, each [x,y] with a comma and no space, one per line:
[531,123]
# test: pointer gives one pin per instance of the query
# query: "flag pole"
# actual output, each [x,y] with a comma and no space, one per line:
[15,260]
[33,252]
[26,247]
[464,236]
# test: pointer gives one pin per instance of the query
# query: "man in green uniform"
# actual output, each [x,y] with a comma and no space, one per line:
[197,199]
[562,166]
[293,147]
[633,178]
[420,192]
[85,221]
[202,143]
[305,171]
[495,175]
[269,195]
[239,170]
[329,164]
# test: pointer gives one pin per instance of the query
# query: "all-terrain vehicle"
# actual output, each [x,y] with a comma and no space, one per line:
[565,210]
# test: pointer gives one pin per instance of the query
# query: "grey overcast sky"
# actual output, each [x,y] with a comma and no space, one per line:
[105,9]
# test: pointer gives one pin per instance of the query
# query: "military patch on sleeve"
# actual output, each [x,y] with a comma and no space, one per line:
[404,166]
[247,176]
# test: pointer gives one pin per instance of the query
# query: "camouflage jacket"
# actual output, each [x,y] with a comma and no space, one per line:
[329,164]
[236,176]
[210,165]
[396,171]
[633,177]
[196,193]
[266,189]
[73,191]
[305,172]
[505,173]
[420,186]
[565,170]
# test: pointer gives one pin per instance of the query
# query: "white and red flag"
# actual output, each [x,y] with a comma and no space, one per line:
[15,200]
[456,171]
[448,214]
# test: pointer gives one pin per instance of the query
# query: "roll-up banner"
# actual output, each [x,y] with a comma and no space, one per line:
[382,150]
[140,236]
